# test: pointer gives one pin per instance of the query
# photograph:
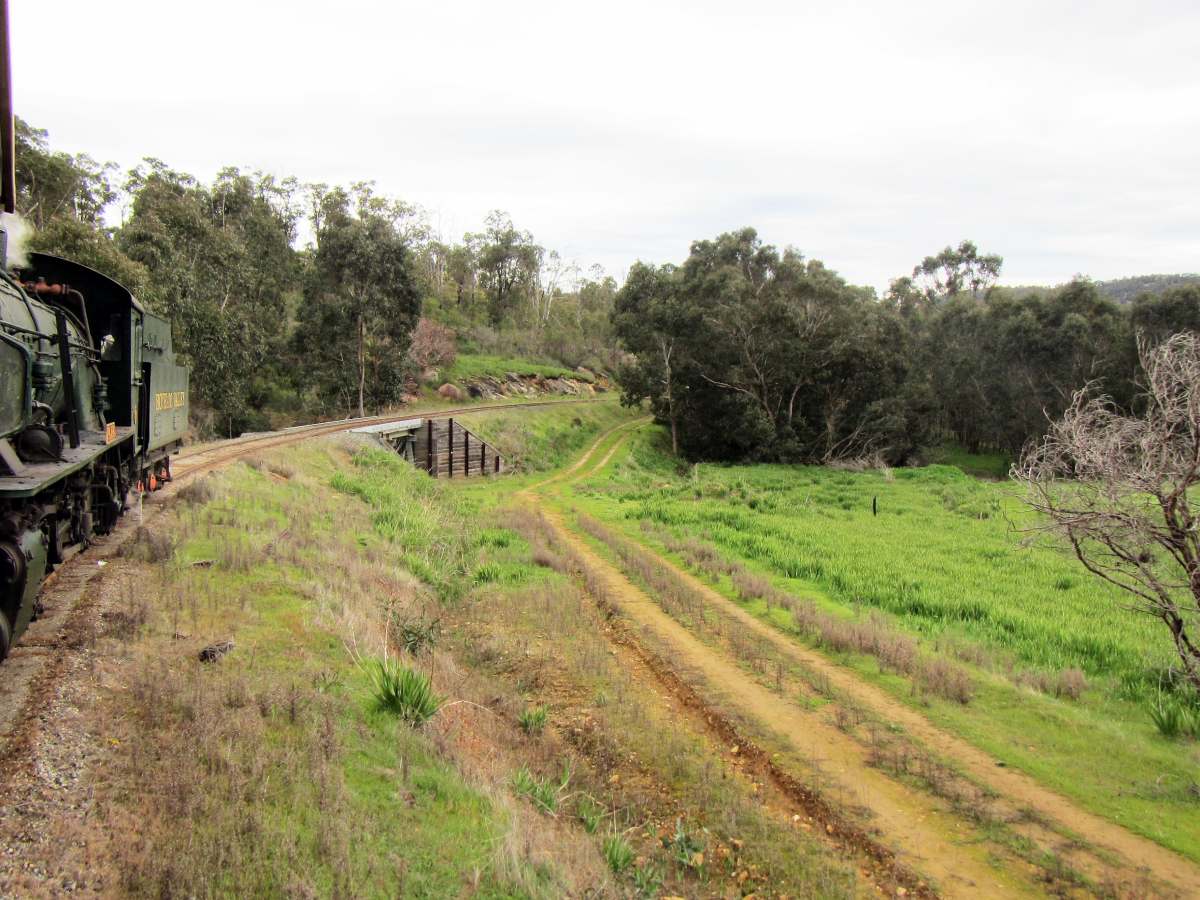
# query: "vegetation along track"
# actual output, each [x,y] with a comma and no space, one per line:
[31,672]
[1050,839]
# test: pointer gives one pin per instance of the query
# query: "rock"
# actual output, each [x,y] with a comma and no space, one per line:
[450,391]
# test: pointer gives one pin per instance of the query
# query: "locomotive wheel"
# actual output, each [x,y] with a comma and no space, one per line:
[5,636]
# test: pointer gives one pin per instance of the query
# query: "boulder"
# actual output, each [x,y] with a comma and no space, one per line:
[450,391]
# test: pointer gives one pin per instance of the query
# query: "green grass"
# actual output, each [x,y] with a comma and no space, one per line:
[467,366]
[300,769]
[943,561]
[981,465]
[549,438]
[533,719]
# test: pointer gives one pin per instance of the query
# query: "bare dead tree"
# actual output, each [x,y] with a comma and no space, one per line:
[1116,487]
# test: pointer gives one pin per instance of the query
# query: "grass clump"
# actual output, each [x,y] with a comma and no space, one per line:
[590,813]
[533,719]
[403,692]
[1174,718]
[617,853]
[544,793]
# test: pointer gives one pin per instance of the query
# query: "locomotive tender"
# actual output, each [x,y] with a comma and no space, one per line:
[92,402]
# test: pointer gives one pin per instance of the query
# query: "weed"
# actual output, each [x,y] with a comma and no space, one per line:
[417,635]
[495,537]
[533,719]
[327,682]
[685,848]
[1174,718]
[487,573]
[543,792]
[590,812]
[403,692]
[647,880]
[617,853]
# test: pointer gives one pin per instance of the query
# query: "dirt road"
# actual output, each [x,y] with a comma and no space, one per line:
[923,831]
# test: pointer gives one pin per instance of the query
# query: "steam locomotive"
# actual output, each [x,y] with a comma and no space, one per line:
[92,403]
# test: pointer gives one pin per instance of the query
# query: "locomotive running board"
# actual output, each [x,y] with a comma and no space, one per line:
[39,476]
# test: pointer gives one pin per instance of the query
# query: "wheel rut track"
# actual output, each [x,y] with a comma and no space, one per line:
[38,660]
[1131,854]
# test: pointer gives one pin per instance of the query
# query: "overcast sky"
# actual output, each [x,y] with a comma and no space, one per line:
[1064,136]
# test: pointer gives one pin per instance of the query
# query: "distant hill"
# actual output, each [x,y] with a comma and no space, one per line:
[1122,290]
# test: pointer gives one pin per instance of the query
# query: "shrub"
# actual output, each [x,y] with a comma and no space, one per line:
[417,635]
[432,345]
[937,676]
[750,586]
[404,692]
[617,853]
[1071,684]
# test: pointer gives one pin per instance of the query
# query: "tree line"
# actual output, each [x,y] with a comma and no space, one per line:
[746,352]
[295,300]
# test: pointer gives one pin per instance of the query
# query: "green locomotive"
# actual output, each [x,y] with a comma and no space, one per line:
[92,403]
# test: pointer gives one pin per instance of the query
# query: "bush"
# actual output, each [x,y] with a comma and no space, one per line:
[417,635]
[403,692]
[1071,684]
[433,345]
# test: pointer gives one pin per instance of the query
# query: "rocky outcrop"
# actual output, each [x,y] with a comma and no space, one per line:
[512,384]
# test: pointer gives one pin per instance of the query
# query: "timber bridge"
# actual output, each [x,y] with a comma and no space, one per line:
[442,447]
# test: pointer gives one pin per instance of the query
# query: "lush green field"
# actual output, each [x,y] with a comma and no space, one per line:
[467,366]
[549,438]
[939,555]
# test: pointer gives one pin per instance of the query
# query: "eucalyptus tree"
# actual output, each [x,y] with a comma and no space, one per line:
[220,264]
[362,300]
[508,264]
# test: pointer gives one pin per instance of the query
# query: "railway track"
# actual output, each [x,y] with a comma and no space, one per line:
[31,673]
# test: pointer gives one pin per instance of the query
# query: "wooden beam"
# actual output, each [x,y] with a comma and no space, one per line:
[430,458]
[450,446]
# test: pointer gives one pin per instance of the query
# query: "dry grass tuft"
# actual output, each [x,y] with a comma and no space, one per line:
[198,491]
[149,545]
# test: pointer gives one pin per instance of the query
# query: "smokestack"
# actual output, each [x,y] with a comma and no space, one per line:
[8,170]
[8,161]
